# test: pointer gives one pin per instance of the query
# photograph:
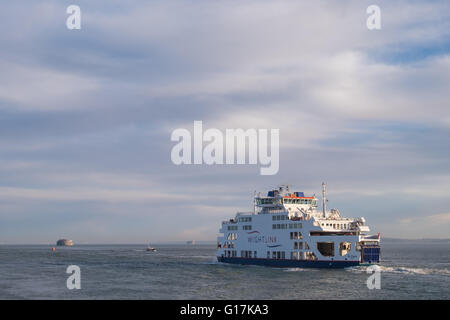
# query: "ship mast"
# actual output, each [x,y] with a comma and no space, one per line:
[254,202]
[324,199]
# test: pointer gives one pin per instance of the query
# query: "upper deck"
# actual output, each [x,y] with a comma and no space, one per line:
[295,206]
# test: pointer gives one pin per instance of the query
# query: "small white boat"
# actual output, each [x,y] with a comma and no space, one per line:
[151,249]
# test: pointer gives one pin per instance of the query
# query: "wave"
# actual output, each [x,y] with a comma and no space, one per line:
[402,270]
[300,269]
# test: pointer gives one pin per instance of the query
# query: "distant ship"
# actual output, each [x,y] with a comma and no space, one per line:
[64,242]
[190,242]
[150,248]
[287,230]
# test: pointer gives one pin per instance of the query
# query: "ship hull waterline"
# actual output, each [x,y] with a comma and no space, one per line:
[286,263]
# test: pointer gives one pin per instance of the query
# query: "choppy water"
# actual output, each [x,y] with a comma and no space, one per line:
[410,270]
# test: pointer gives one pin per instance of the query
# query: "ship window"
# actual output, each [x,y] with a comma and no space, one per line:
[295,245]
[344,248]
[268,254]
[300,245]
[278,255]
[254,254]
[274,255]
[283,255]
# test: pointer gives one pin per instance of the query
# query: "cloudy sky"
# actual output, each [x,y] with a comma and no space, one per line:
[86,115]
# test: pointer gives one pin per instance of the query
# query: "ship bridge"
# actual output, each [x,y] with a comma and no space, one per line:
[295,203]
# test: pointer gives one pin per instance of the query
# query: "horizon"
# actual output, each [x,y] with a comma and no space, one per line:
[182,242]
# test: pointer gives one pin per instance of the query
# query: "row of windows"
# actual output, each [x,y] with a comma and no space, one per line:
[301,201]
[306,255]
[276,255]
[246,227]
[232,236]
[232,228]
[231,253]
[296,235]
[282,217]
[285,226]
[299,245]
[248,254]
[268,201]
[228,245]
[245,219]
[336,225]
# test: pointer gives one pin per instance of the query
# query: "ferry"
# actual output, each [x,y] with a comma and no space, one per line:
[287,229]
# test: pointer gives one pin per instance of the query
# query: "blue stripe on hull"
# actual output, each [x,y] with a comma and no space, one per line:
[284,263]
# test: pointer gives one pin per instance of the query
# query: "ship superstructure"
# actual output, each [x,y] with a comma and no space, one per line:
[287,229]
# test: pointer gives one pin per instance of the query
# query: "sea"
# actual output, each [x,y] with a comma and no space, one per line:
[418,269]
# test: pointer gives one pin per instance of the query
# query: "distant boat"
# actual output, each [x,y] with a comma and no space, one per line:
[64,242]
[191,242]
[150,248]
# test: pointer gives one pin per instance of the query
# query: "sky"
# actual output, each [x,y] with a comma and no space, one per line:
[86,115]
